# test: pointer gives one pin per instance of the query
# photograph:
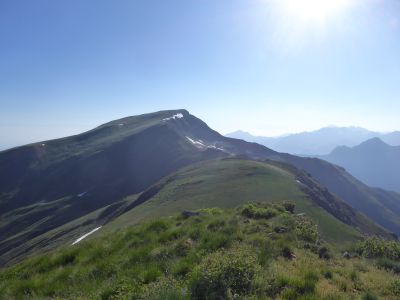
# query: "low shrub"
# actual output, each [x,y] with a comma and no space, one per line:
[224,273]
[324,253]
[378,248]
[289,207]
[254,212]
[306,230]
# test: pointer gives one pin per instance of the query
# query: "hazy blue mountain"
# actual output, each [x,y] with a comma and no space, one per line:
[392,138]
[319,142]
[374,162]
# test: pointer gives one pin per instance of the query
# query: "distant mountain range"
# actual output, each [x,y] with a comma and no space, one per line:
[373,162]
[319,142]
[52,192]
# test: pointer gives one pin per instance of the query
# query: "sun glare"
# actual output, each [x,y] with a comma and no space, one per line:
[312,10]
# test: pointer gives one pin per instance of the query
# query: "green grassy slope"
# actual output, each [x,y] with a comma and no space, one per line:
[250,252]
[232,182]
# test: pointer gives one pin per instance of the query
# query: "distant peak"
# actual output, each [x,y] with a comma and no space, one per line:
[373,142]
[241,132]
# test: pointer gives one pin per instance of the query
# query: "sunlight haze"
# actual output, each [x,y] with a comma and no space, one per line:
[272,67]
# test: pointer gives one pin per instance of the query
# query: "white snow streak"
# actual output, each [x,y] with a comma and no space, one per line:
[201,144]
[215,147]
[82,194]
[177,116]
[198,143]
[85,235]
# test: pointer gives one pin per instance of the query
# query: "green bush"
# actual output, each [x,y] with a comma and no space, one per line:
[306,230]
[224,273]
[255,212]
[377,248]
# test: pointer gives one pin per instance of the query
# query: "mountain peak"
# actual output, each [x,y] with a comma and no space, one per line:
[374,142]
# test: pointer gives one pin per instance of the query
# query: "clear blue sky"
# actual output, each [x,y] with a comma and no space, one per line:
[68,66]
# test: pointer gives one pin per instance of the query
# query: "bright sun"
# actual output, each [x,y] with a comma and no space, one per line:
[312,10]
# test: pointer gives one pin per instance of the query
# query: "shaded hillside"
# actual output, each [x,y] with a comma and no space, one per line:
[376,204]
[373,162]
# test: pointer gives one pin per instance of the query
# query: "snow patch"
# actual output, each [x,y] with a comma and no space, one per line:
[198,143]
[82,194]
[43,145]
[85,235]
[174,117]
[215,147]
[298,181]
[121,124]
[202,145]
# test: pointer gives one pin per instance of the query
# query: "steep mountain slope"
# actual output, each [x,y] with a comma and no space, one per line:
[49,185]
[373,162]
[318,142]
[231,182]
